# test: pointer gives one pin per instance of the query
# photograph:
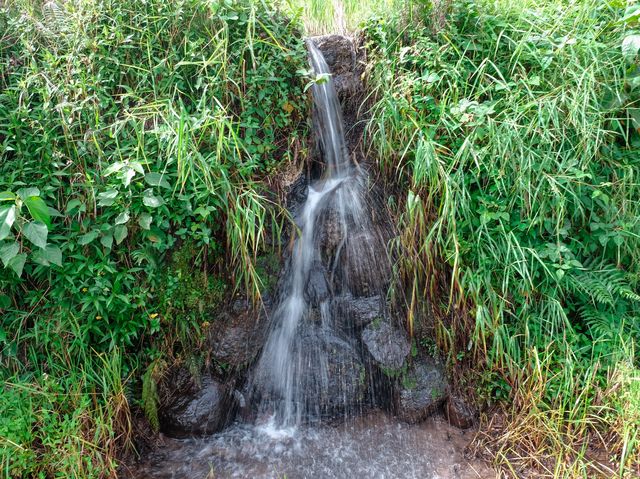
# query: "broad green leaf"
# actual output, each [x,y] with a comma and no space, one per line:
[145,221]
[39,258]
[150,200]
[17,263]
[8,252]
[54,213]
[7,218]
[137,166]
[7,196]
[631,14]
[5,302]
[120,233]
[630,46]
[128,175]
[87,238]
[72,205]
[117,166]
[38,209]
[52,254]
[107,198]
[107,240]
[25,193]
[36,232]
[204,212]
[122,218]
[156,179]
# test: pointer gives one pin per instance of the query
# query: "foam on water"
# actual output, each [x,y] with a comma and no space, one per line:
[373,446]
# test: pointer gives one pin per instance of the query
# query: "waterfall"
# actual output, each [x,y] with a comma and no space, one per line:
[309,367]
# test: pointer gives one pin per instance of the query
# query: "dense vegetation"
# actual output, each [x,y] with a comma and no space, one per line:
[133,136]
[142,148]
[513,131]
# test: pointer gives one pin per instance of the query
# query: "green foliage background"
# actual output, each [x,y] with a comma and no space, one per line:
[133,140]
[512,134]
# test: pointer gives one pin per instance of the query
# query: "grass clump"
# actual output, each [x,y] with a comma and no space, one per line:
[512,135]
[339,16]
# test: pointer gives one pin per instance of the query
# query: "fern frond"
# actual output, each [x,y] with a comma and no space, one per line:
[54,17]
[630,294]
[603,286]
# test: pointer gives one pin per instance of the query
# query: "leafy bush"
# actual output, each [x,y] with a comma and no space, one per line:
[130,132]
[514,134]
[142,134]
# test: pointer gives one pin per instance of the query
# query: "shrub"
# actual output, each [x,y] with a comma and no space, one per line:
[512,136]
[128,131]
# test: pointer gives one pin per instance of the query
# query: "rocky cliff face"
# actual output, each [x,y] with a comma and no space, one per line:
[361,355]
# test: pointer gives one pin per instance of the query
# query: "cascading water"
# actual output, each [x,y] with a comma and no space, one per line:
[328,342]
[280,365]
[293,373]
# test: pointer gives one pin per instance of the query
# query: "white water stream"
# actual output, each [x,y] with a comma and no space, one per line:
[285,360]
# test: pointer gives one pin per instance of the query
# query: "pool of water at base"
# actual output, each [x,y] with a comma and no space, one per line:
[372,446]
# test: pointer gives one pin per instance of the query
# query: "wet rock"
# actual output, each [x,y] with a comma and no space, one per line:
[329,378]
[423,390]
[387,344]
[364,269]
[347,85]
[313,315]
[334,382]
[346,64]
[459,413]
[338,51]
[317,289]
[236,335]
[331,234]
[351,312]
[189,407]
[298,191]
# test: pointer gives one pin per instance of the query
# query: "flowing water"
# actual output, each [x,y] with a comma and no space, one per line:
[373,446]
[295,368]
[312,392]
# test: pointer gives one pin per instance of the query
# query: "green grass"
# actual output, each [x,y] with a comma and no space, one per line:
[69,418]
[135,139]
[511,135]
[338,16]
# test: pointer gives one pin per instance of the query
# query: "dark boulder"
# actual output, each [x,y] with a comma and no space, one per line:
[297,192]
[334,380]
[338,51]
[353,312]
[317,289]
[237,334]
[331,234]
[190,407]
[347,85]
[330,377]
[346,62]
[459,413]
[387,344]
[423,390]
[364,268]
